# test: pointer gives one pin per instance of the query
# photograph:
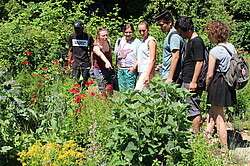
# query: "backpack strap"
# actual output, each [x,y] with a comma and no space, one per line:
[226,49]
[170,35]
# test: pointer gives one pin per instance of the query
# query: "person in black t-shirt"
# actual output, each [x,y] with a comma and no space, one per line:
[80,53]
[191,69]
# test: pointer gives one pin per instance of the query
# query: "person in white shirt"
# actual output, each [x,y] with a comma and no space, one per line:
[146,57]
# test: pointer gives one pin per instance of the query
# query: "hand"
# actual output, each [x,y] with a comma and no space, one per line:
[192,86]
[146,80]
[168,80]
[132,70]
[108,65]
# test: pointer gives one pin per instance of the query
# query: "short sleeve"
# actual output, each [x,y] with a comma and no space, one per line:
[175,43]
[198,49]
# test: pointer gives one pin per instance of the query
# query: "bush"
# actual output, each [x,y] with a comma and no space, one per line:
[148,125]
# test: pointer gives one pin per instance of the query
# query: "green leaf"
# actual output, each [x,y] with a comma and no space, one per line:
[146,131]
[131,146]
[171,121]
[128,155]
[165,130]
[131,131]
[5,148]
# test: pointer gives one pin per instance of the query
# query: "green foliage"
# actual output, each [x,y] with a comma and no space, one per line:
[148,125]
[206,152]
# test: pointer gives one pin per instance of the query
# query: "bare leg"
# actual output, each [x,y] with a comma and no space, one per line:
[219,116]
[210,124]
[196,124]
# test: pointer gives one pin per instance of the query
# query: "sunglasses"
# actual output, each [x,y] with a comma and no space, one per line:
[128,32]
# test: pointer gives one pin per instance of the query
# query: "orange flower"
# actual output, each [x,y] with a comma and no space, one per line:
[78,111]
[83,96]
[76,86]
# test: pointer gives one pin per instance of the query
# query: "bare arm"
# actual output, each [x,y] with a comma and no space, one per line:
[70,52]
[98,52]
[210,71]
[173,65]
[152,48]
[197,71]
[133,68]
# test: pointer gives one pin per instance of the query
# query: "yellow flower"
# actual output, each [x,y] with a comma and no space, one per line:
[70,141]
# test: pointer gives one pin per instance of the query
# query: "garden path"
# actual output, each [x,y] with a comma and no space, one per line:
[239,143]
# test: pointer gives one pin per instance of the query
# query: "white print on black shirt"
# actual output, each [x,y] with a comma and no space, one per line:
[80,43]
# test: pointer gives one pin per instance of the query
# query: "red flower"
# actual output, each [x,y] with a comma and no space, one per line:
[77,101]
[47,78]
[109,87]
[25,62]
[243,51]
[87,84]
[83,96]
[66,67]
[56,60]
[33,93]
[92,94]
[56,66]
[74,91]
[67,58]
[33,99]
[43,74]
[44,68]
[28,53]
[63,69]
[91,81]
[76,86]
[78,111]
[70,62]
[77,97]
[39,85]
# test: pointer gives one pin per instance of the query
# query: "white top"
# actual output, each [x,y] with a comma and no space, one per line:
[222,56]
[144,55]
[126,52]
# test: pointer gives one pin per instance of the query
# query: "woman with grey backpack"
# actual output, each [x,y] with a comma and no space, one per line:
[220,94]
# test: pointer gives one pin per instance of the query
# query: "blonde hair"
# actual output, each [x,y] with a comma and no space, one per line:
[97,34]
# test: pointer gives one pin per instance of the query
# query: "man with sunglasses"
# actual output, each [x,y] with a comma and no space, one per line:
[80,53]
[173,48]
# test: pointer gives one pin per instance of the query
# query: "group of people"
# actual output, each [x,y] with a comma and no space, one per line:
[181,63]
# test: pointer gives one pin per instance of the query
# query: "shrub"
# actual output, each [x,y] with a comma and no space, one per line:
[149,125]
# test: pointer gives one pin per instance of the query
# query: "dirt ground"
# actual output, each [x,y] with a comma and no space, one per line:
[239,144]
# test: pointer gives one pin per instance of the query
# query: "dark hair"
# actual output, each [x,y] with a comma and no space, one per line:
[185,24]
[165,16]
[128,25]
[144,23]
[218,29]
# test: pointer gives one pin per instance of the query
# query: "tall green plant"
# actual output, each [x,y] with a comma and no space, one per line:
[148,125]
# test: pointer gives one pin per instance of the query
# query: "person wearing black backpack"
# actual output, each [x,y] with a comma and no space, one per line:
[173,48]
[192,68]
[220,95]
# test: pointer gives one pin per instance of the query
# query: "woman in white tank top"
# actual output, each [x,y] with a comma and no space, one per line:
[146,57]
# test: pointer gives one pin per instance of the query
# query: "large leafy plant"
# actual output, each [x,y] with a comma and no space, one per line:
[149,125]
